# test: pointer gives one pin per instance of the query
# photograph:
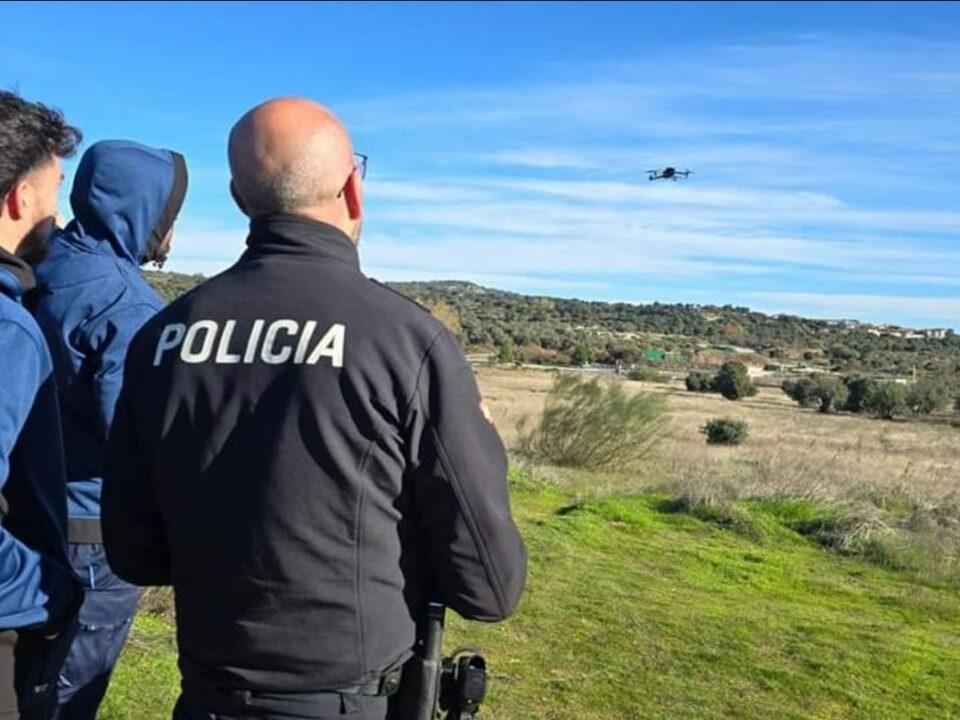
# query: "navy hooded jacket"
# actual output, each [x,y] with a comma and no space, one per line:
[93,299]
[36,586]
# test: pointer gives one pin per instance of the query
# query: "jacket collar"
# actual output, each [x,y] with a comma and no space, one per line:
[295,235]
[16,276]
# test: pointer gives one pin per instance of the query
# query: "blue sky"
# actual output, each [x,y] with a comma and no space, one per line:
[508,143]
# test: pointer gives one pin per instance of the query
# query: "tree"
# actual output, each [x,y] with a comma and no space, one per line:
[927,395]
[886,400]
[582,354]
[506,353]
[733,381]
[824,392]
[831,392]
[857,389]
[801,391]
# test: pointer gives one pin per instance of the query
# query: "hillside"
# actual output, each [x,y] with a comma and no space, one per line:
[569,331]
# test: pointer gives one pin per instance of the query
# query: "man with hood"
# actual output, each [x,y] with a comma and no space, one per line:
[39,595]
[92,300]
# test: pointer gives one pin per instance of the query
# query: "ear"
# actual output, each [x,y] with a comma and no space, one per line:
[237,199]
[353,195]
[16,201]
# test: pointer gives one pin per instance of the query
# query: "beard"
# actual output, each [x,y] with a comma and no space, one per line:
[157,253]
[35,246]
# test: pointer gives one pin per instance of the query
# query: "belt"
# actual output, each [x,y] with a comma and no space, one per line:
[310,703]
[386,685]
[84,530]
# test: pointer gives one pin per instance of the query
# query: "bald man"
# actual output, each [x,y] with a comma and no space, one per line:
[302,454]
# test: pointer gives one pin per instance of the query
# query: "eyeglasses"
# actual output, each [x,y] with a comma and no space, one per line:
[360,163]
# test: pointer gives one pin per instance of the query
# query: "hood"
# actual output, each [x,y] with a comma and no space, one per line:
[16,276]
[127,195]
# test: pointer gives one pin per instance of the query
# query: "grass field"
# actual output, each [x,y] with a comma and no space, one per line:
[643,602]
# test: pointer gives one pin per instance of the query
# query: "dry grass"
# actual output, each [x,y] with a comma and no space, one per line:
[795,449]
[896,484]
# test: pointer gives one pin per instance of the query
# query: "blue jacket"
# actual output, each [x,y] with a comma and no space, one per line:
[36,586]
[92,298]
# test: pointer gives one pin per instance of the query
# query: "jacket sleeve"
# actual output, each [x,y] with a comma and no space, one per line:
[35,590]
[108,350]
[133,532]
[458,469]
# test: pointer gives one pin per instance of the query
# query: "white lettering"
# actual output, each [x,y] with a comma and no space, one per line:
[170,337]
[267,352]
[308,327]
[284,341]
[187,352]
[331,346]
[251,352]
[224,357]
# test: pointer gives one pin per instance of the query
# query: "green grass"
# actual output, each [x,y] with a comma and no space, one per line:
[146,682]
[639,608]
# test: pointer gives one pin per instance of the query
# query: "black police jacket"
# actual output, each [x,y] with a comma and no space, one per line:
[300,452]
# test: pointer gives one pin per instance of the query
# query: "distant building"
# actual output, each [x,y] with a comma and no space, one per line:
[659,355]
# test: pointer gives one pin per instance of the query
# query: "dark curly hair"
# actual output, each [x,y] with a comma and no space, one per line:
[30,135]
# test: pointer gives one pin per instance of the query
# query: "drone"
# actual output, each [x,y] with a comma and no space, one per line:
[668,173]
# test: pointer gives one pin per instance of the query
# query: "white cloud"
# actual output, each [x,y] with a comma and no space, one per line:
[802,174]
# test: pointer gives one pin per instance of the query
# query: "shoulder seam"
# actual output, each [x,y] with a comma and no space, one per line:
[416,379]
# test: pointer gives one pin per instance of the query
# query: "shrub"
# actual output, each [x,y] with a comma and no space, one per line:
[589,424]
[733,381]
[699,382]
[647,374]
[725,431]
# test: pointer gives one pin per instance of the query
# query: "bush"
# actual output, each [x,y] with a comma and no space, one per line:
[587,424]
[733,381]
[647,374]
[699,382]
[725,431]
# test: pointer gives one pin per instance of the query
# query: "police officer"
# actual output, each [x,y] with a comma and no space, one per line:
[302,453]
[39,595]
[125,199]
